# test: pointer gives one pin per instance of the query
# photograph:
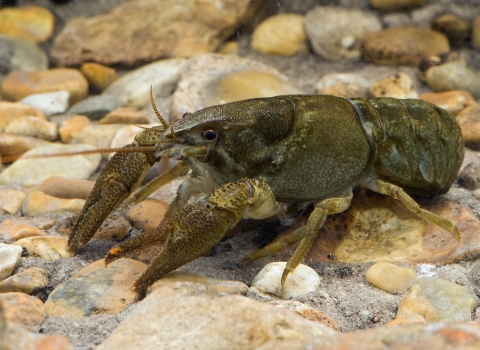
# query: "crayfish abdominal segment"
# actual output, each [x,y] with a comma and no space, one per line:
[247,155]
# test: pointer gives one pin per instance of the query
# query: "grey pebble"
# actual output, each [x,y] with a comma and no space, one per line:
[96,107]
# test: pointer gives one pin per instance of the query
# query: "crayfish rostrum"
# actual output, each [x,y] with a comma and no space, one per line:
[247,155]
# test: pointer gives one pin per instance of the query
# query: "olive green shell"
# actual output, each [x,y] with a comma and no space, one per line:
[419,146]
[311,146]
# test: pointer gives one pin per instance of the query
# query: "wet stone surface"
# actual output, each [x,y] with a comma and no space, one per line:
[375,274]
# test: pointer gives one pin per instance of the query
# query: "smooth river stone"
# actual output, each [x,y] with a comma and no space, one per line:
[379,228]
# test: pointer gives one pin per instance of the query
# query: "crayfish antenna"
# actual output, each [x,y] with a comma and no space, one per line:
[13,158]
[164,123]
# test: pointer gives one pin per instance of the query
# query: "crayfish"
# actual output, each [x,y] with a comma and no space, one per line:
[247,155]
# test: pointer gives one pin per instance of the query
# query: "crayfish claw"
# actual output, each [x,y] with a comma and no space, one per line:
[115,183]
[195,228]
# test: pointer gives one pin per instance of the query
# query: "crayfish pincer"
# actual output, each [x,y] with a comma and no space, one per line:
[304,149]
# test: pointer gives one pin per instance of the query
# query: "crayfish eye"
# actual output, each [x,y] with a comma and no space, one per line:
[210,135]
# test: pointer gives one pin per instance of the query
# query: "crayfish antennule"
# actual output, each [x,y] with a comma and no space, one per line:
[164,123]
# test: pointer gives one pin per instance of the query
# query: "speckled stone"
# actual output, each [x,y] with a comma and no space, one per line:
[403,45]
[398,86]
[346,85]
[99,136]
[96,290]
[230,48]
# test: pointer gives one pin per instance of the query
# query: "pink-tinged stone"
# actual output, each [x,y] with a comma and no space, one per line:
[23,309]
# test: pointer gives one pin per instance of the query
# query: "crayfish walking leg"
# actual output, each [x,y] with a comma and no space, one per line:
[195,228]
[305,234]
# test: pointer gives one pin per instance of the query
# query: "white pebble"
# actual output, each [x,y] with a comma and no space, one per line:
[49,103]
[9,258]
[300,281]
